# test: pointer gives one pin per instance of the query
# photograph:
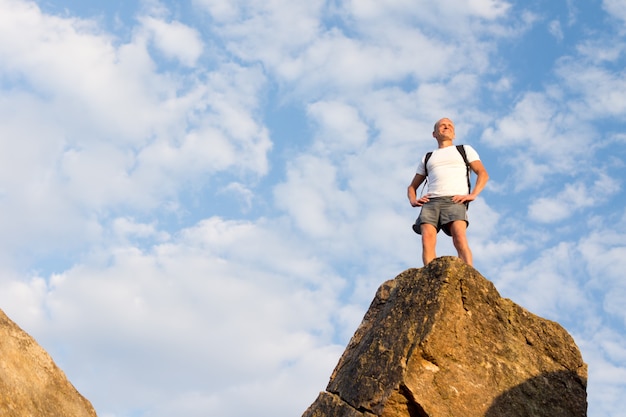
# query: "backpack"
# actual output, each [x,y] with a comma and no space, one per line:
[461,150]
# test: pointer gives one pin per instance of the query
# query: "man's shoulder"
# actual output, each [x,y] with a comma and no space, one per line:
[465,145]
[471,153]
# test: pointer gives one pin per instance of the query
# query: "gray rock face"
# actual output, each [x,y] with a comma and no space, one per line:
[31,385]
[439,341]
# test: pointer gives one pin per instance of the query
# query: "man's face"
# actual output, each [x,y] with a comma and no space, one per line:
[444,129]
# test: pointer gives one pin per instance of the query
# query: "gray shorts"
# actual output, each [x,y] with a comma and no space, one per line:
[440,212]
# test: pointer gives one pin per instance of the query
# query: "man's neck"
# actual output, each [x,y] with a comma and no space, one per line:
[444,143]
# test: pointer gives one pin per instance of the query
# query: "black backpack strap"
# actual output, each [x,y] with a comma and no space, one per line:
[426,158]
[461,150]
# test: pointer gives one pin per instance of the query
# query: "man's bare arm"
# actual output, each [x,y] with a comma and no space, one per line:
[412,191]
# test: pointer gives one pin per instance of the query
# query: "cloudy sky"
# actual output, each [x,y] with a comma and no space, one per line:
[199,198]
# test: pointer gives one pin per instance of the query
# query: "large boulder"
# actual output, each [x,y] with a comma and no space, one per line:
[440,341]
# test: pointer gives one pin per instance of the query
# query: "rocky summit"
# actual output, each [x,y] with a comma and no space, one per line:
[440,341]
[31,384]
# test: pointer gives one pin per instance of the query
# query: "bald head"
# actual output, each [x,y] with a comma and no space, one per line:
[444,130]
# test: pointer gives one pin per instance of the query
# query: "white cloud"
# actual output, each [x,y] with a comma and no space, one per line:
[241,192]
[544,137]
[615,7]
[273,29]
[554,27]
[340,126]
[86,81]
[174,39]
[312,197]
[489,9]
[549,210]
[601,90]
[350,63]
[548,286]
[605,252]
[573,198]
[572,12]
[606,371]
[91,125]
[190,309]
[488,242]
[430,12]
[360,44]
[221,11]
[126,227]
[533,123]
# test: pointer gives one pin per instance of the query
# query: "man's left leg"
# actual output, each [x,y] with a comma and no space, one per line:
[458,230]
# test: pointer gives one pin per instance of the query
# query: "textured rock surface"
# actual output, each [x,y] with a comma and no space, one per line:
[440,342]
[31,385]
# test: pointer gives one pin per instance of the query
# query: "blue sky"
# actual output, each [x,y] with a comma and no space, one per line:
[200,198]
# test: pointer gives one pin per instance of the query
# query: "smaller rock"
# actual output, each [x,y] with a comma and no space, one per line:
[31,384]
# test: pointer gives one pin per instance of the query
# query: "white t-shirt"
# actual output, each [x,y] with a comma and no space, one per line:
[447,174]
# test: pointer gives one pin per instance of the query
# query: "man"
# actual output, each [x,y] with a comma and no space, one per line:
[445,204]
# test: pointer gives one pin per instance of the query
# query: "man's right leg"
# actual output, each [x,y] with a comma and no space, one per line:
[429,242]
